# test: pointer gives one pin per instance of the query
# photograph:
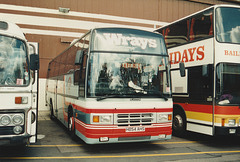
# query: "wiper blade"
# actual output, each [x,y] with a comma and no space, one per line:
[135,95]
[117,96]
[158,93]
[110,96]
[106,96]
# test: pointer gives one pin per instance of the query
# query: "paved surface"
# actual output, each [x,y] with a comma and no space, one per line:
[43,115]
[55,144]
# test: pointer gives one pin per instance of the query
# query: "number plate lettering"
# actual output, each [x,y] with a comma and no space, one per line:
[135,129]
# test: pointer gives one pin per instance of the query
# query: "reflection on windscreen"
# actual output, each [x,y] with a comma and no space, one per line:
[228,84]
[127,74]
[13,62]
[128,40]
[228,24]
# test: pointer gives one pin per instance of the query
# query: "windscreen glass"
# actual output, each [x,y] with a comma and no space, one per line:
[228,24]
[128,40]
[128,75]
[14,69]
[228,79]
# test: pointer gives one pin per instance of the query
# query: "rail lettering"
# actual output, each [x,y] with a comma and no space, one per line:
[187,55]
[231,53]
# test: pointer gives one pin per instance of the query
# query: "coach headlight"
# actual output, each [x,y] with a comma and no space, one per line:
[231,122]
[5,120]
[17,119]
[164,117]
[17,129]
[102,119]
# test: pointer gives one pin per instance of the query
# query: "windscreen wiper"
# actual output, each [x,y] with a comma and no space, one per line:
[116,96]
[106,96]
[136,95]
[157,93]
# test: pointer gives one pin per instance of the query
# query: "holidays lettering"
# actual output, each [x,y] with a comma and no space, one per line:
[231,53]
[119,39]
[187,55]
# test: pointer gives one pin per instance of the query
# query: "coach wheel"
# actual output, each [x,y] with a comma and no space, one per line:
[51,112]
[70,119]
[70,124]
[179,123]
[71,127]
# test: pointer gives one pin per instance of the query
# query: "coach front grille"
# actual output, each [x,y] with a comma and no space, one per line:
[135,119]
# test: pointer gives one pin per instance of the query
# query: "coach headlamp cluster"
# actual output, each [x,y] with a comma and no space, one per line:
[166,117]
[11,119]
[5,120]
[101,118]
[15,120]
[231,122]
[17,129]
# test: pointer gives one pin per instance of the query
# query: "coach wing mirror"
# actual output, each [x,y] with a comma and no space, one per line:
[76,76]
[205,70]
[182,69]
[79,57]
[34,59]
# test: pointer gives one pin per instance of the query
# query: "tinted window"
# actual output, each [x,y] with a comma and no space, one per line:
[83,66]
[228,24]
[228,79]
[70,59]
[200,87]
[177,34]
[201,25]
[128,40]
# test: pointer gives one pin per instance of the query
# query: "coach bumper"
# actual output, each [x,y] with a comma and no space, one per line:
[227,130]
[14,140]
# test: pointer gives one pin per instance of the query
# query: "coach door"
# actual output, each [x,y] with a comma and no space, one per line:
[200,108]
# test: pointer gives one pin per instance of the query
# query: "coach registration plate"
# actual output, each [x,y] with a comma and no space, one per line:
[135,129]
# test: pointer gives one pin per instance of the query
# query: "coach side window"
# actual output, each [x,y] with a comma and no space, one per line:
[51,69]
[83,66]
[62,64]
[202,25]
[70,60]
[177,33]
[56,67]
[162,31]
[200,87]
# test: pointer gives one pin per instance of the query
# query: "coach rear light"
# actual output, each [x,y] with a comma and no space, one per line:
[5,120]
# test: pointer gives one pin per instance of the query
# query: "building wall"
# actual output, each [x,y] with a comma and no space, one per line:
[42,22]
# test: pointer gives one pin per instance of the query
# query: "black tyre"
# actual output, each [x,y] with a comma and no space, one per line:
[71,124]
[179,123]
[52,117]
